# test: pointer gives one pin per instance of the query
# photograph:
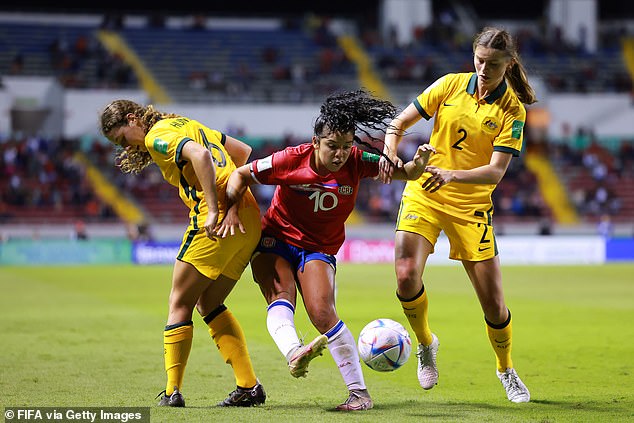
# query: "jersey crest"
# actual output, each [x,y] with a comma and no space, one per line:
[346,190]
[490,124]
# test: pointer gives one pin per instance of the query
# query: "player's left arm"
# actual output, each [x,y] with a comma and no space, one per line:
[238,150]
[203,166]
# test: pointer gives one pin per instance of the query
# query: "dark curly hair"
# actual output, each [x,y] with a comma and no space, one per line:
[354,111]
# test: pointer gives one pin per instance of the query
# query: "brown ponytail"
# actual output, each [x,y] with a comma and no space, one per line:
[500,39]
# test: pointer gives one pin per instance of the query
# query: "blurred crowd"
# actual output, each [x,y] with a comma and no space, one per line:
[42,180]
[81,61]
[41,177]
[564,66]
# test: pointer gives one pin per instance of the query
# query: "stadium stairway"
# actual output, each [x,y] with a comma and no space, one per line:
[116,44]
[125,209]
[552,188]
[368,78]
[628,55]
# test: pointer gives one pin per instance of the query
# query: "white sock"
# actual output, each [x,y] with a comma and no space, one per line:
[280,321]
[343,348]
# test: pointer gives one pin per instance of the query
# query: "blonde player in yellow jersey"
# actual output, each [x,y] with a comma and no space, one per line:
[478,128]
[198,161]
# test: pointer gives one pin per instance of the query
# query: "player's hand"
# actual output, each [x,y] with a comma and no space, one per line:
[439,177]
[423,153]
[210,223]
[229,224]
[386,169]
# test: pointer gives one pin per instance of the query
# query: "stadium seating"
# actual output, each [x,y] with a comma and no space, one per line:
[286,64]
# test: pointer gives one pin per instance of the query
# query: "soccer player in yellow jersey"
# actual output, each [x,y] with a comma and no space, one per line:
[478,128]
[198,161]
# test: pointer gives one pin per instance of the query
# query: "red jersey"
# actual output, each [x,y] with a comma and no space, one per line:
[309,210]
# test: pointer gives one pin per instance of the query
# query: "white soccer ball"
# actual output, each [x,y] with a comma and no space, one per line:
[384,345]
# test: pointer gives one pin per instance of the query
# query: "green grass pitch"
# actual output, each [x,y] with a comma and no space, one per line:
[92,336]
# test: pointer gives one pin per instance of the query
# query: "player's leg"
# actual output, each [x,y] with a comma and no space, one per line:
[486,279]
[187,285]
[411,252]
[227,333]
[276,278]
[317,282]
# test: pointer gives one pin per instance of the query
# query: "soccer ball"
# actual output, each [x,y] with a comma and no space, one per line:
[384,345]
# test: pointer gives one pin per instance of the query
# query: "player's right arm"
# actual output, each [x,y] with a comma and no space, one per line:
[393,137]
[201,161]
[415,168]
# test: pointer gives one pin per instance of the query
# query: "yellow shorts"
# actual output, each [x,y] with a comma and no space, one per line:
[222,256]
[468,240]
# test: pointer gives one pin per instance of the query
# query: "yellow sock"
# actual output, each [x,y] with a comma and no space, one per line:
[416,312]
[501,337]
[227,333]
[177,341]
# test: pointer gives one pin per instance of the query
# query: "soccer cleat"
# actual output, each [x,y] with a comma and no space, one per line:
[245,397]
[516,391]
[427,370]
[174,400]
[357,401]
[298,364]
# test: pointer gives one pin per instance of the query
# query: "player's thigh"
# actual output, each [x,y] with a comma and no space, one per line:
[416,218]
[187,286]
[215,294]
[275,276]
[228,256]
[468,240]
[243,245]
[317,282]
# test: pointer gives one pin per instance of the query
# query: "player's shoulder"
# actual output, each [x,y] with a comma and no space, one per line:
[298,150]
[456,78]
[513,104]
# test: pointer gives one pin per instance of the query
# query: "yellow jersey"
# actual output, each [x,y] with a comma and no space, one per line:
[165,142]
[466,132]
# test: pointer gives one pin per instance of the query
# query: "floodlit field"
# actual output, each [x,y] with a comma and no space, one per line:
[92,336]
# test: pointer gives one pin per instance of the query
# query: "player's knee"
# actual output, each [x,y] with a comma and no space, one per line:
[406,274]
[323,318]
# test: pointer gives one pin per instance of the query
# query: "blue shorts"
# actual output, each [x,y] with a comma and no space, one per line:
[296,256]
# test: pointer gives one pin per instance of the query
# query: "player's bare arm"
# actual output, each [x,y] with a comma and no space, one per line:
[237,185]
[415,168]
[201,161]
[491,173]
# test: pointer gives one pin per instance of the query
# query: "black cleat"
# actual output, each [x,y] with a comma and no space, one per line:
[174,400]
[245,397]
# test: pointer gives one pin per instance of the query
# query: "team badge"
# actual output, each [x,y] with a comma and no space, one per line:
[370,157]
[516,131]
[268,242]
[345,190]
[490,124]
[160,146]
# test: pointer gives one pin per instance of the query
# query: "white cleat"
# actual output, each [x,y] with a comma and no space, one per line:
[298,364]
[516,391]
[427,370]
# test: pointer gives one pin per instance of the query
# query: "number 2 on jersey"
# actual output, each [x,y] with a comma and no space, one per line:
[462,138]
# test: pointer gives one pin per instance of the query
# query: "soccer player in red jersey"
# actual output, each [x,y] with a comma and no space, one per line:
[302,230]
